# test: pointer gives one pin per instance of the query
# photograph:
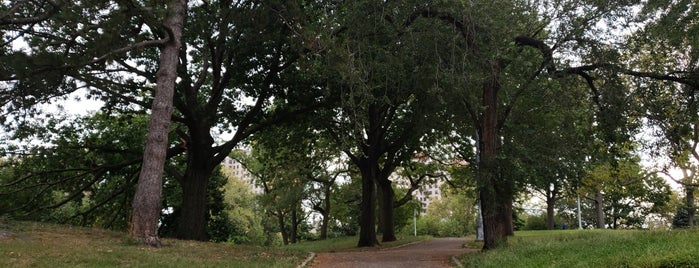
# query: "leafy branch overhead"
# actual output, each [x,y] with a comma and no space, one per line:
[338,104]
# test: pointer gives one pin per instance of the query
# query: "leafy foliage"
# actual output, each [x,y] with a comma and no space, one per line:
[454,215]
[563,87]
[90,173]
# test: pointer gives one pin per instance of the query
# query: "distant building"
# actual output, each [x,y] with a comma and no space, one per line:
[430,189]
[429,192]
[240,172]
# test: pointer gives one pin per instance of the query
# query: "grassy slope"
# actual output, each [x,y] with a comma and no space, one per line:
[30,244]
[594,248]
[45,245]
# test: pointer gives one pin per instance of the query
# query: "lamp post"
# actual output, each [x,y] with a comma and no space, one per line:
[414,222]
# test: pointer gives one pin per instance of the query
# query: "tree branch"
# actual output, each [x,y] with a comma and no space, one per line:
[4,20]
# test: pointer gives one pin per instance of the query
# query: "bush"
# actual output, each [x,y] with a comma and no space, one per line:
[681,218]
[538,222]
[428,226]
[535,222]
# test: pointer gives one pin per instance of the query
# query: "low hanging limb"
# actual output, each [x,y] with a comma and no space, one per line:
[583,71]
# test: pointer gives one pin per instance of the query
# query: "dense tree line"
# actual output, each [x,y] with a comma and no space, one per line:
[535,96]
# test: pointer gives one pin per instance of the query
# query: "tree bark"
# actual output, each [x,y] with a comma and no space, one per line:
[507,198]
[494,189]
[387,216]
[282,227]
[691,209]
[147,200]
[326,212]
[367,220]
[192,223]
[599,208]
[193,220]
[294,226]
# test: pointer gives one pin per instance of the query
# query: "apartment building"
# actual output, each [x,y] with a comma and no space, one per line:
[239,171]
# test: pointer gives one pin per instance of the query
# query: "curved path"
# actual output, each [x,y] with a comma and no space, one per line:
[432,253]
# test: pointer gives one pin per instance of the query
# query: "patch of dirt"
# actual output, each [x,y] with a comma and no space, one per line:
[432,253]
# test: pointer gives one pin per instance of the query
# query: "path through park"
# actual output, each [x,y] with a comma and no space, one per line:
[432,253]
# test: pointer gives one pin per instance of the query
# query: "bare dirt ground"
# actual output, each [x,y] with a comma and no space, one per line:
[432,253]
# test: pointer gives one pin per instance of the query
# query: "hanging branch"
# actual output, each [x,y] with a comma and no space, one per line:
[6,20]
[583,71]
[97,171]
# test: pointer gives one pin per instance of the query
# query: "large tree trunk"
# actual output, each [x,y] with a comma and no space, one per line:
[367,220]
[506,196]
[496,223]
[192,223]
[691,209]
[147,200]
[379,207]
[494,191]
[599,208]
[194,214]
[387,217]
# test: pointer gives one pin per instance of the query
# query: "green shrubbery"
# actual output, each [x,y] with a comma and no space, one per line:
[452,216]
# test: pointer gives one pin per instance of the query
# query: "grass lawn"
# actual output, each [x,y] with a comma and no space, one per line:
[31,244]
[593,248]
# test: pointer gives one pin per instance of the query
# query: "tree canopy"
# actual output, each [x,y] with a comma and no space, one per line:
[545,96]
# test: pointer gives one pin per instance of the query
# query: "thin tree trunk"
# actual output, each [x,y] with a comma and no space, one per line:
[379,207]
[550,202]
[599,208]
[294,226]
[147,200]
[691,209]
[282,227]
[326,213]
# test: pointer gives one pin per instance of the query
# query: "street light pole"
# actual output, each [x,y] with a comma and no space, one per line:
[414,222]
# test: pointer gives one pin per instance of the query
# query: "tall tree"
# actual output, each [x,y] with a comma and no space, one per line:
[241,73]
[503,72]
[668,45]
[232,52]
[489,68]
[549,142]
[146,204]
[277,170]
[632,195]
[389,100]
[90,19]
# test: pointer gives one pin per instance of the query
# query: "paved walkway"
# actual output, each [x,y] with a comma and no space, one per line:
[433,253]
